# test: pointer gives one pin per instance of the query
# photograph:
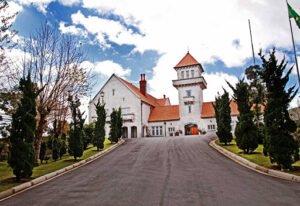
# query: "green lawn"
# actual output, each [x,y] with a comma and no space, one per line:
[257,157]
[6,173]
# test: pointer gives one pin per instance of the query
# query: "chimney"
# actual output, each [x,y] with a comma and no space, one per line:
[164,96]
[143,84]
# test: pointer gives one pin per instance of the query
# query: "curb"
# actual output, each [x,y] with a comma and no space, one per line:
[253,166]
[45,178]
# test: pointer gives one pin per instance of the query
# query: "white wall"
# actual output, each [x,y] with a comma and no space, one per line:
[123,97]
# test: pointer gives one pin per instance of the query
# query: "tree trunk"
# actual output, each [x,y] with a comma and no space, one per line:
[42,123]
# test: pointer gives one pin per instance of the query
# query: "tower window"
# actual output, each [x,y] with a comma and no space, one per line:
[182,74]
[192,72]
[190,109]
[188,93]
[187,74]
[113,92]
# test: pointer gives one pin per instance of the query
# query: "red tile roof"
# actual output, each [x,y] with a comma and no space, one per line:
[209,111]
[149,99]
[164,113]
[161,102]
[187,60]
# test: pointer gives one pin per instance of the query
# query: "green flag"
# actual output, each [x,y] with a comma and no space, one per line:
[294,15]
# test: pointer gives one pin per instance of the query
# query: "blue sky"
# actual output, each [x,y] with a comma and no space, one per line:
[130,37]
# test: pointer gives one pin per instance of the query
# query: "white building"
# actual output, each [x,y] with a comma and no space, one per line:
[144,115]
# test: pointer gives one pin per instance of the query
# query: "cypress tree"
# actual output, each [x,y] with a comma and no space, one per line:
[76,130]
[223,118]
[257,94]
[55,149]
[62,148]
[99,134]
[245,131]
[115,125]
[279,144]
[43,151]
[22,156]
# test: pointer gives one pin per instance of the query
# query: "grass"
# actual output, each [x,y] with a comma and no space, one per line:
[7,176]
[258,157]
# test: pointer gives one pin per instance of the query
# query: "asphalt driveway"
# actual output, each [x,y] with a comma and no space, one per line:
[162,171]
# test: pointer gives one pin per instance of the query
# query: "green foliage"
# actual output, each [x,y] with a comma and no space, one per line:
[279,144]
[43,151]
[22,155]
[116,124]
[258,96]
[88,134]
[62,148]
[223,118]
[246,133]
[55,149]
[76,131]
[99,134]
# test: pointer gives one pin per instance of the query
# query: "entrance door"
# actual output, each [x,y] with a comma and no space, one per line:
[133,132]
[125,132]
[191,129]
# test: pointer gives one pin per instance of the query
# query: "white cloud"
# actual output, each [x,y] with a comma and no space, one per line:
[41,5]
[213,30]
[113,30]
[69,2]
[107,68]
[71,30]
[215,84]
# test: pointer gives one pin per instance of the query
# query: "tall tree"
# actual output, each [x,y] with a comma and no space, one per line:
[257,97]
[223,118]
[76,131]
[99,134]
[55,61]
[89,130]
[9,97]
[55,149]
[245,131]
[279,144]
[116,123]
[22,156]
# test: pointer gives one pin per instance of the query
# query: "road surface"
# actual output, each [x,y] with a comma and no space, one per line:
[171,171]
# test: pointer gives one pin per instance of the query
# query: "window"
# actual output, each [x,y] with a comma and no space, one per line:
[113,92]
[188,93]
[171,129]
[187,74]
[190,108]
[211,127]
[182,74]
[157,130]
[192,72]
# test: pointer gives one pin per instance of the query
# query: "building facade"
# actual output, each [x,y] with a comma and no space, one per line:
[145,116]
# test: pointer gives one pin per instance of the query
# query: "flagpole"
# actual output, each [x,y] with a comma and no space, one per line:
[296,61]
[251,42]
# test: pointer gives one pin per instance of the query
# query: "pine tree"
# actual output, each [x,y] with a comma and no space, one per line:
[22,155]
[55,149]
[43,151]
[279,144]
[116,123]
[245,131]
[223,118]
[62,148]
[76,131]
[99,134]
[257,94]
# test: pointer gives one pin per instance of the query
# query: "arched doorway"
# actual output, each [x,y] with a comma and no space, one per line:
[133,132]
[125,132]
[191,129]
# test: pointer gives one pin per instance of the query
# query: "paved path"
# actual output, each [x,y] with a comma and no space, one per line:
[162,171]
